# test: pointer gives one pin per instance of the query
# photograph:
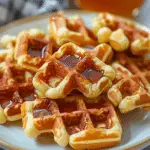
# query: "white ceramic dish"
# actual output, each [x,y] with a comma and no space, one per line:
[136,125]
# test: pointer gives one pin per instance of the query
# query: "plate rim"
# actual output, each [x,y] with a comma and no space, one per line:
[42,16]
[73,11]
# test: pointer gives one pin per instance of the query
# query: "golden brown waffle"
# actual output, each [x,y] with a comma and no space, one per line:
[13,76]
[102,51]
[120,33]
[32,49]
[10,103]
[6,55]
[73,120]
[131,88]
[74,84]
[13,81]
[142,74]
[15,86]
[63,30]
[115,22]
[70,68]
[8,41]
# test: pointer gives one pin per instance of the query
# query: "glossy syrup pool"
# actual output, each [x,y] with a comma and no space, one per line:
[92,75]
[70,60]
[67,106]
[37,113]
[89,47]
[6,103]
[29,97]
[34,52]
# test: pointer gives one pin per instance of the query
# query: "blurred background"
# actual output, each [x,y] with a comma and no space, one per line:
[15,9]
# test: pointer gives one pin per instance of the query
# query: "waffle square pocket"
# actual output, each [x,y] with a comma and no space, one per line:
[32,49]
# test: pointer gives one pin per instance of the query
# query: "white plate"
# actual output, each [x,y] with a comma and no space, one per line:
[136,125]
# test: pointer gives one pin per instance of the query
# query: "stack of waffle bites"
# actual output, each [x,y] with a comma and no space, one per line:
[68,81]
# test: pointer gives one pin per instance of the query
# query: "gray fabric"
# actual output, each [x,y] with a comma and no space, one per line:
[15,9]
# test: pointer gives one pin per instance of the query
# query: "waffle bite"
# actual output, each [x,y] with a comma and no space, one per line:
[70,68]
[73,120]
[131,88]
[119,32]
[32,49]
[73,29]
